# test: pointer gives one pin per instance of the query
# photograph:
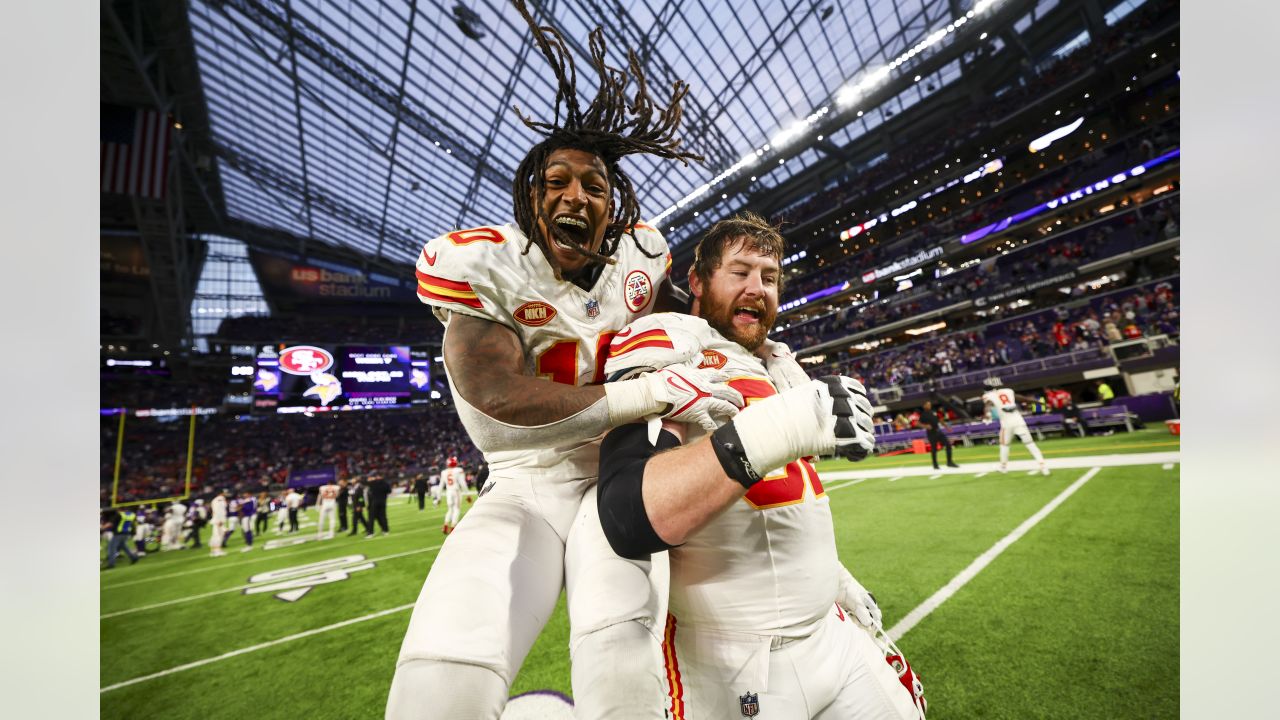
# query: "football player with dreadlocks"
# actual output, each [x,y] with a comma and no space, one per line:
[535,300]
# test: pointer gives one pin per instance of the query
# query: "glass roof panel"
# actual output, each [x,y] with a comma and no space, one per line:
[377,125]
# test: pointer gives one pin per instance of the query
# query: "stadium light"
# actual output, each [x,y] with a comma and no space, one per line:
[1048,139]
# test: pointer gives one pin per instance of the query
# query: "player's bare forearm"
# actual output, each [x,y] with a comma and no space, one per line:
[486,363]
[685,488]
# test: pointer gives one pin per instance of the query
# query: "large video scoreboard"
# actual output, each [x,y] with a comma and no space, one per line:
[323,378]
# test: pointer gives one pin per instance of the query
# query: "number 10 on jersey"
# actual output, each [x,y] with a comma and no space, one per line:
[559,363]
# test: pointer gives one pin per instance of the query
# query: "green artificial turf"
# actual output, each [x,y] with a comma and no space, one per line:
[1078,618]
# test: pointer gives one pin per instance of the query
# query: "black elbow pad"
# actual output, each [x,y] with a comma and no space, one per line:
[620,493]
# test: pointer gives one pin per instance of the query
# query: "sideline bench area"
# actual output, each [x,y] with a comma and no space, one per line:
[1049,423]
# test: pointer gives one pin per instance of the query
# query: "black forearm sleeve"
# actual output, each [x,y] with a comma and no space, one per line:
[620,493]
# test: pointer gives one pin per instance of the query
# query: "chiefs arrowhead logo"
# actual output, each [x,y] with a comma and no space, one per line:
[430,257]
[712,359]
[636,290]
[534,314]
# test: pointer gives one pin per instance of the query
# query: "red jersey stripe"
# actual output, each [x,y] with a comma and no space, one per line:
[472,302]
[442,282]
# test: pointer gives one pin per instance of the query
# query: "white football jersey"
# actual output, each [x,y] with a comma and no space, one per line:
[219,507]
[765,564]
[563,329]
[454,479]
[1005,403]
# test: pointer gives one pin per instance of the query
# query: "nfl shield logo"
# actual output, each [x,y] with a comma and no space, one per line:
[750,704]
[593,308]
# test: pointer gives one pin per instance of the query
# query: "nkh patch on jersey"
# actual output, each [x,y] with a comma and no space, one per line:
[637,290]
[534,314]
[713,359]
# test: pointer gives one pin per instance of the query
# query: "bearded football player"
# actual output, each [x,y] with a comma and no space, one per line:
[763,617]
[529,309]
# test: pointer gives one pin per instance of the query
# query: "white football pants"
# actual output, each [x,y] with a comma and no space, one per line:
[528,537]
[328,509]
[219,533]
[1018,428]
[837,673]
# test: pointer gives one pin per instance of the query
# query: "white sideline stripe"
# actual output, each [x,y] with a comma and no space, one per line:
[935,476]
[258,558]
[1081,462]
[201,596]
[981,474]
[252,648]
[923,609]
[1033,472]
[896,478]
[1167,466]
[844,484]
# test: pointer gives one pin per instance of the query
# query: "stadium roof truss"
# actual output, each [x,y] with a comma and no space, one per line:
[374,126]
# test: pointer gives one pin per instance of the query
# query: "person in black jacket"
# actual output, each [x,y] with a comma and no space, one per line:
[933,425]
[343,495]
[420,489]
[358,502]
[378,489]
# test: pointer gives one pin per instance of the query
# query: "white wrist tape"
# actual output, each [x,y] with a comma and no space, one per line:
[631,400]
[787,426]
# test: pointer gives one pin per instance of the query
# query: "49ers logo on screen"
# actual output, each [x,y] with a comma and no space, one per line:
[534,314]
[637,289]
[305,359]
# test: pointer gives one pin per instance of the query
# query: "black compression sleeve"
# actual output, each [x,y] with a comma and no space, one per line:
[620,496]
[732,456]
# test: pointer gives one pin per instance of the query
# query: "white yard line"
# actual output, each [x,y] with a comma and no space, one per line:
[935,476]
[896,478]
[1082,462]
[844,484]
[1167,466]
[252,648]
[923,609]
[981,474]
[201,596]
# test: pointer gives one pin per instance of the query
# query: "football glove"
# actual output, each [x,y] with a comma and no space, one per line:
[907,676]
[695,396]
[781,364]
[855,437]
[857,600]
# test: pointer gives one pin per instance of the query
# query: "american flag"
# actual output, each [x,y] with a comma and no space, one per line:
[135,151]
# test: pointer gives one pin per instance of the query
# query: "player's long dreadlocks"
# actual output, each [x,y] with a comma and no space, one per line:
[609,128]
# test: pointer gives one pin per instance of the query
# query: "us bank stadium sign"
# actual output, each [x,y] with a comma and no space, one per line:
[324,281]
[905,263]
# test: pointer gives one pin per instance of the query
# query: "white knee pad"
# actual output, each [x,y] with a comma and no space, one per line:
[441,689]
[617,673]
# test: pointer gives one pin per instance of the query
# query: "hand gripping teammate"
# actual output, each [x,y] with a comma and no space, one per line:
[762,617]
[529,310]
